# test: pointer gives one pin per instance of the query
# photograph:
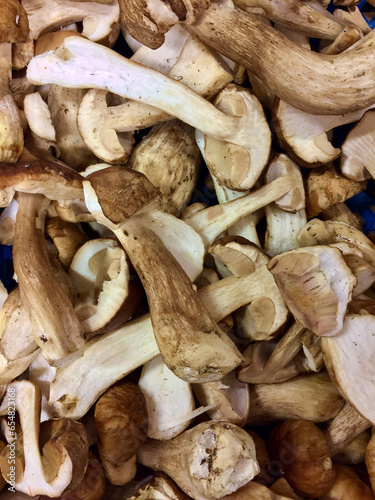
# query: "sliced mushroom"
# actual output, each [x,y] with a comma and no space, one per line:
[316,284]
[352,350]
[121,424]
[107,294]
[41,374]
[67,237]
[325,187]
[169,400]
[64,456]
[56,328]
[308,397]
[100,21]
[39,117]
[208,461]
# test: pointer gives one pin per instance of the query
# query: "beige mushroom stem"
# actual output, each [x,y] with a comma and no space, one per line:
[297,16]
[287,348]
[212,221]
[207,462]
[57,330]
[347,424]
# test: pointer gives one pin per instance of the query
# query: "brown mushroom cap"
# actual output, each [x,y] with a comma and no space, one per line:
[14,22]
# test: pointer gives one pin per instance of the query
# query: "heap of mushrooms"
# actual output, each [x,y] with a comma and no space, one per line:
[192,313]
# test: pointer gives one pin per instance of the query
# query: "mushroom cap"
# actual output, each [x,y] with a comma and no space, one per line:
[14,22]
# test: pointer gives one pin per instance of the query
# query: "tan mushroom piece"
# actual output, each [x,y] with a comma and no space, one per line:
[67,237]
[181,322]
[352,350]
[357,158]
[121,423]
[316,284]
[64,456]
[256,491]
[8,223]
[241,36]
[304,135]
[55,326]
[370,460]
[197,112]
[169,157]
[348,484]
[15,28]
[345,39]
[107,294]
[308,397]
[99,20]
[207,462]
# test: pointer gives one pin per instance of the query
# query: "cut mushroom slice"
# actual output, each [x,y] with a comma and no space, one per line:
[100,21]
[304,136]
[208,461]
[39,117]
[169,157]
[229,397]
[39,176]
[316,284]
[107,294]
[169,400]
[195,111]
[352,350]
[325,187]
[55,326]
[180,320]
[63,460]
[357,158]
[307,397]
[67,238]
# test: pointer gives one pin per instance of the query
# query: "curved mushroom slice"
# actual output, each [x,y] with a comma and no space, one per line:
[208,461]
[107,294]
[67,238]
[170,402]
[351,351]
[100,21]
[39,117]
[357,158]
[63,460]
[304,135]
[229,397]
[266,312]
[192,108]
[317,232]
[307,397]
[169,157]
[121,424]
[316,284]
[39,176]
[325,187]
[8,223]
[56,328]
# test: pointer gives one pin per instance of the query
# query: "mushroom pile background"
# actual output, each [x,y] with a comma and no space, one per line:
[192,309]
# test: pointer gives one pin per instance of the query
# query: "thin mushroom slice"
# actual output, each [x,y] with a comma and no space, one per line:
[229,397]
[357,158]
[169,400]
[316,284]
[107,293]
[351,351]
[304,136]
[61,464]
[187,459]
[39,117]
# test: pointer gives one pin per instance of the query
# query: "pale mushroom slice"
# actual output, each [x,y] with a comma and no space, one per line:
[41,373]
[169,157]
[107,294]
[351,351]
[316,284]
[304,136]
[62,462]
[208,461]
[100,21]
[266,311]
[192,108]
[297,16]
[39,117]
[241,37]
[182,324]
[170,402]
[55,325]
[229,398]
[357,158]
[304,397]
[325,187]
